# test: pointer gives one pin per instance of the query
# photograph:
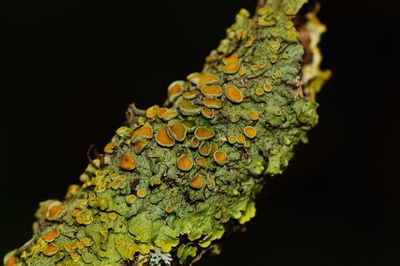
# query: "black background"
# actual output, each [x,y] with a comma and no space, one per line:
[72,67]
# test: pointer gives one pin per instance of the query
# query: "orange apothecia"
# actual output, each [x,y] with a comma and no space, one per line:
[184,163]
[197,182]
[177,131]
[250,132]
[127,162]
[233,94]
[203,133]
[220,157]
[163,139]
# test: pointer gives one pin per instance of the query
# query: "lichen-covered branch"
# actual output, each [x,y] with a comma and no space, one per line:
[176,178]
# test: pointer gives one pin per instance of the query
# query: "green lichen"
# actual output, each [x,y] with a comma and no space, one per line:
[173,177]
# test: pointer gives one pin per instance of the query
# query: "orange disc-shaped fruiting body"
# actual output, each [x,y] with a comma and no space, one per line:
[232,139]
[11,261]
[175,90]
[188,108]
[163,139]
[50,250]
[254,115]
[231,68]
[240,139]
[205,148]
[231,64]
[233,94]
[127,162]
[259,91]
[203,133]
[212,91]
[220,157]
[189,95]
[169,114]
[194,143]
[161,111]
[139,146]
[142,193]
[177,131]
[55,210]
[144,132]
[207,112]
[197,182]
[250,132]
[212,103]
[108,148]
[152,111]
[51,235]
[184,163]
[201,161]
[207,79]
[233,58]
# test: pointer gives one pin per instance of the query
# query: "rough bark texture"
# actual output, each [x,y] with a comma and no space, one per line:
[176,178]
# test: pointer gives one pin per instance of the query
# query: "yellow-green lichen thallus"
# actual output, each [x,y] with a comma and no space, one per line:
[172,178]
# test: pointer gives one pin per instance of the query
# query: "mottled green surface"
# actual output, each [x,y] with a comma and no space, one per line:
[139,206]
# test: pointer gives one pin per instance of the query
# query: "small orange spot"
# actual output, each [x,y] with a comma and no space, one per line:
[204,148]
[212,103]
[139,146]
[232,139]
[163,139]
[203,133]
[169,209]
[220,157]
[207,79]
[267,87]
[289,25]
[233,58]
[87,242]
[233,94]
[207,112]
[212,91]
[240,139]
[197,182]
[108,148]
[231,68]
[254,115]
[184,163]
[50,250]
[247,144]
[51,235]
[130,199]
[242,71]
[177,131]
[273,59]
[250,132]
[142,193]
[152,111]
[201,161]
[127,162]
[259,91]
